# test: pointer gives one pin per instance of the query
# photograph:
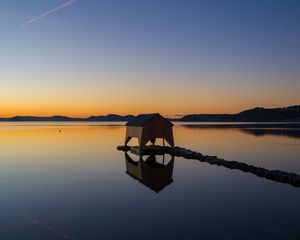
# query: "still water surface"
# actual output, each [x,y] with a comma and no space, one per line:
[74,184]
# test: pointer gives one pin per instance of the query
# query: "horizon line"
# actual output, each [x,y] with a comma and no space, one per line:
[174,116]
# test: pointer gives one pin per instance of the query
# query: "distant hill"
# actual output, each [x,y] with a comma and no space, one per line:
[108,118]
[286,114]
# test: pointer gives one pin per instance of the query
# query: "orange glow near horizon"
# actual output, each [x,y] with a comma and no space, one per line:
[82,111]
[84,100]
[83,94]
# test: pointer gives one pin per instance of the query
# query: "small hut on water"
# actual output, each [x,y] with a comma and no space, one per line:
[149,127]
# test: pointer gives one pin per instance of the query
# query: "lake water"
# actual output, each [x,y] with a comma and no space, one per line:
[68,181]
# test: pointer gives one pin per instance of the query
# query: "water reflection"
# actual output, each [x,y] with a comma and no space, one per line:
[70,183]
[291,133]
[258,130]
[151,172]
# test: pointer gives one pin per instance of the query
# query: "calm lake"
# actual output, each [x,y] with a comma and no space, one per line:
[68,181]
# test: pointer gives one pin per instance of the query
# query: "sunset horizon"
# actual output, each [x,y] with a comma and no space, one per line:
[176,115]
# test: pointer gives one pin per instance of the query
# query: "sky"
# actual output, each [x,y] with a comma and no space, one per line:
[84,57]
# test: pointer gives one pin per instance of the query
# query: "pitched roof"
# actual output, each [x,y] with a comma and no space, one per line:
[139,120]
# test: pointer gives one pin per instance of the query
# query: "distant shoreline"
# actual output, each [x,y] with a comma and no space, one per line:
[182,122]
[242,125]
[289,114]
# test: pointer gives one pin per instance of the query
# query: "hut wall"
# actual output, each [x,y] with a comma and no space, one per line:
[133,131]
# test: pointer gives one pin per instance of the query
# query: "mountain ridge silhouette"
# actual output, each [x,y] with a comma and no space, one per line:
[258,114]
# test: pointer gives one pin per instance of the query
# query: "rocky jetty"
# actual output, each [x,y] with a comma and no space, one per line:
[275,175]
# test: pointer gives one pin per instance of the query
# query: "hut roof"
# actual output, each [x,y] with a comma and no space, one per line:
[141,119]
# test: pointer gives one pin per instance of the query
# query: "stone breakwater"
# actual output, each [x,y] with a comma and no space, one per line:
[275,175]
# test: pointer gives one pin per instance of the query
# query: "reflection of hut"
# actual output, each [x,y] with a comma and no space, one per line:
[149,127]
[151,173]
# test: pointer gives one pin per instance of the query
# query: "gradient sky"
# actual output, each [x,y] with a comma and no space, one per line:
[139,56]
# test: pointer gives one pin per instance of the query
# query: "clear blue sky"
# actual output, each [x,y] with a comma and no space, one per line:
[168,56]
